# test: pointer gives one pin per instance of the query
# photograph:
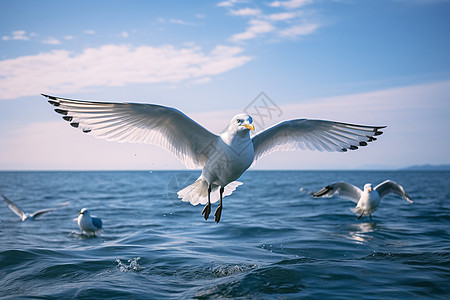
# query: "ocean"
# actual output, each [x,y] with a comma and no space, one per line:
[273,241]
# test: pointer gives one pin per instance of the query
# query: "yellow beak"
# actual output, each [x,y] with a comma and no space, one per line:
[370,189]
[249,126]
[80,213]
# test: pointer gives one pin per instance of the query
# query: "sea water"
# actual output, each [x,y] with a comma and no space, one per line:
[273,241]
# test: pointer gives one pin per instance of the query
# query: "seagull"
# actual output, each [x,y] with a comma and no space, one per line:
[222,158]
[367,201]
[88,224]
[25,216]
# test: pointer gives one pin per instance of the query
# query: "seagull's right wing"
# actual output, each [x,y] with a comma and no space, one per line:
[342,189]
[390,186]
[41,212]
[15,209]
[140,123]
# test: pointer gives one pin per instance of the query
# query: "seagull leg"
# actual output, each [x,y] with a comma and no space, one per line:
[360,216]
[207,209]
[218,212]
[370,216]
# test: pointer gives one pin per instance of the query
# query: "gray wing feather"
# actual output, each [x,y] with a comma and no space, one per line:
[40,212]
[15,209]
[140,123]
[97,222]
[322,135]
[342,189]
[389,186]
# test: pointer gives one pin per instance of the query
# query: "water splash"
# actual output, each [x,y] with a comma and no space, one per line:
[133,265]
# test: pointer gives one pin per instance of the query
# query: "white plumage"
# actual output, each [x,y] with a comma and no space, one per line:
[87,223]
[222,158]
[367,201]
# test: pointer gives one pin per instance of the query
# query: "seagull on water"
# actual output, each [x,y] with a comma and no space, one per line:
[222,158]
[367,201]
[88,224]
[25,216]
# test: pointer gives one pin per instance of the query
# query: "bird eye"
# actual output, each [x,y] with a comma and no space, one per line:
[238,121]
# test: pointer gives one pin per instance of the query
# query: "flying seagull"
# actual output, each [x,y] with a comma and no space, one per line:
[367,201]
[88,224]
[222,158]
[25,216]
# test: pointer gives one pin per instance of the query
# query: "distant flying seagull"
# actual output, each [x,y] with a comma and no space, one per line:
[88,224]
[367,200]
[25,216]
[222,158]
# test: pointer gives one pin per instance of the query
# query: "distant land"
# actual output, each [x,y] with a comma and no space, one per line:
[428,168]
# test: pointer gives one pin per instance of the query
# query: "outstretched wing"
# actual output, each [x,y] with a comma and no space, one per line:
[15,209]
[140,123]
[322,135]
[390,186]
[40,212]
[342,189]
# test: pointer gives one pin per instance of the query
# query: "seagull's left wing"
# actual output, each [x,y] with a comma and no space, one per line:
[97,222]
[140,123]
[322,135]
[390,186]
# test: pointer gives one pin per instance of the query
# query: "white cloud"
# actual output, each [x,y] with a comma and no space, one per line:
[297,30]
[68,37]
[226,3]
[256,28]
[51,41]
[89,31]
[291,4]
[18,35]
[281,16]
[62,71]
[179,22]
[124,34]
[246,12]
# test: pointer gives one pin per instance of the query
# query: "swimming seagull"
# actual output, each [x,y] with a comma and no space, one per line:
[367,201]
[88,224]
[25,216]
[222,158]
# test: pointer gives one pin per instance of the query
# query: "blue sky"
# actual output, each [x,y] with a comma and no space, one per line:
[368,62]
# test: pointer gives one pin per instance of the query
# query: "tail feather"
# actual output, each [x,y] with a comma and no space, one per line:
[197,193]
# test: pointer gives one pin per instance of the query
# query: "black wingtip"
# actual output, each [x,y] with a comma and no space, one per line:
[68,118]
[54,103]
[321,192]
[344,150]
[74,124]
[352,147]
[378,133]
[62,111]
[50,97]
[363,144]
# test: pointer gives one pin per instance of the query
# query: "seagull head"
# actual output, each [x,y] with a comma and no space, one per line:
[368,187]
[84,212]
[241,124]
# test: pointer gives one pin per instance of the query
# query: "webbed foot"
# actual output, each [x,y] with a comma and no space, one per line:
[206,210]
[218,214]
